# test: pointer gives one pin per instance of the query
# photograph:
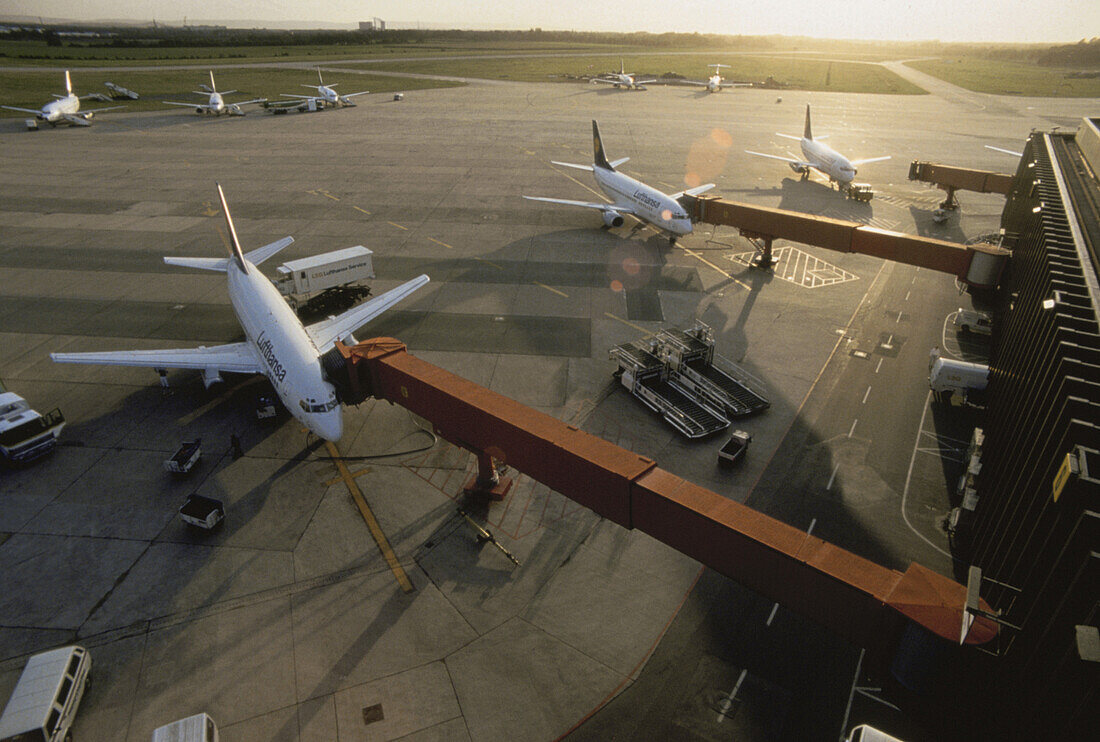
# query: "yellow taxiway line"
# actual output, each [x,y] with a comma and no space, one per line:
[368,516]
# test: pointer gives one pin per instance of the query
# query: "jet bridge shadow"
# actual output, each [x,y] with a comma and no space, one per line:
[812,196]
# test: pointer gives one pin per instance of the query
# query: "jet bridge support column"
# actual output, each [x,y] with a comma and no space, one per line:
[894,615]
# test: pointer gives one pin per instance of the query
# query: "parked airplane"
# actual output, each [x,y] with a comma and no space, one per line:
[117,91]
[65,108]
[630,196]
[622,79]
[820,157]
[326,96]
[215,106]
[276,343]
[714,82]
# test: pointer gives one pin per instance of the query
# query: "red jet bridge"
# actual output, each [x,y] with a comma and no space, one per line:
[894,615]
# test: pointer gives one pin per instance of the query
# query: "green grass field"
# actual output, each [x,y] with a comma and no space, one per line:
[795,72]
[37,54]
[33,89]
[1009,78]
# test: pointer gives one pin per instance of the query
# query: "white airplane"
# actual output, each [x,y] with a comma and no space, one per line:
[276,343]
[714,82]
[820,157]
[622,79]
[326,96]
[117,91]
[65,108]
[630,196]
[216,105]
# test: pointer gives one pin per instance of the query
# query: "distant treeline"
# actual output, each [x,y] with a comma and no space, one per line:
[1083,54]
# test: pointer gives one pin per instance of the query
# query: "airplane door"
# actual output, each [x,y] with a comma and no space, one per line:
[303,280]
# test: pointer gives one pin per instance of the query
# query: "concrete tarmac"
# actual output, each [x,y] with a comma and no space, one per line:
[288,623]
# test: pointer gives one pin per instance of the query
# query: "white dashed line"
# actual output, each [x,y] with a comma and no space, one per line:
[853,429]
[879,365]
[727,702]
[829,486]
[771,616]
[866,394]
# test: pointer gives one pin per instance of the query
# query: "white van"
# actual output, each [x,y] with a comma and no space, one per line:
[197,728]
[43,705]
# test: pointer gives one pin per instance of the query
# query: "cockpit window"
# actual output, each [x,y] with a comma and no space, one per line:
[312,406]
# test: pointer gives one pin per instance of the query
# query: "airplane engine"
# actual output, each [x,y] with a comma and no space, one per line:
[199,111]
[210,376]
[800,169]
[235,111]
[612,218]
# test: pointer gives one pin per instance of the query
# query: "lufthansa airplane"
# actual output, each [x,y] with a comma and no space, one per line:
[65,108]
[820,157]
[276,343]
[215,106]
[715,82]
[660,210]
[326,96]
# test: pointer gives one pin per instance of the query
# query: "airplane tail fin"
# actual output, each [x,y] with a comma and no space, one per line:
[622,66]
[320,79]
[68,83]
[235,245]
[599,159]
[806,133]
[213,87]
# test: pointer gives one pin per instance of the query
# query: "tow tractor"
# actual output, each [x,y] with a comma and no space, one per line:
[26,435]
[860,192]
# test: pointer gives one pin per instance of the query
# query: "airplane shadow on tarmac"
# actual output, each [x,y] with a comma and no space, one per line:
[815,197]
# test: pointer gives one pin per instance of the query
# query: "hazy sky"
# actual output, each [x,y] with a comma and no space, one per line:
[947,20]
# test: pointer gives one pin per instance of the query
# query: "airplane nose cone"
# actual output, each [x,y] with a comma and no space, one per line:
[682,226]
[330,425]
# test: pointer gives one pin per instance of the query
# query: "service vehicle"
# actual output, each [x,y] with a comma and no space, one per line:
[973,321]
[332,277]
[185,457]
[26,435]
[43,705]
[861,192]
[202,512]
[958,382]
[197,728]
[733,451]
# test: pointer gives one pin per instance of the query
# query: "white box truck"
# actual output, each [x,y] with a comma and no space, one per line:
[197,728]
[958,382]
[333,275]
[43,705]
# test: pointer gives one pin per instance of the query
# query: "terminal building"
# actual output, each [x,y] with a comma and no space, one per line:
[1031,522]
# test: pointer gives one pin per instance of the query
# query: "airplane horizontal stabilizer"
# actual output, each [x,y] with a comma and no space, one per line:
[616,163]
[260,254]
[791,136]
[572,165]
[327,332]
[206,264]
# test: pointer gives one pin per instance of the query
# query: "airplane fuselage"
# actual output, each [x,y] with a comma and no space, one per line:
[56,110]
[830,162]
[714,84]
[648,203]
[287,355]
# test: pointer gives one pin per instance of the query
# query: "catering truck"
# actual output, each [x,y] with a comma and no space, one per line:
[327,282]
[957,382]
[24,433]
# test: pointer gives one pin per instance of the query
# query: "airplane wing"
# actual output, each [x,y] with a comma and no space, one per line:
[99,110]
[639,83]
[23,110]
[326,332]
[189,105]
[692,191]
[570,164]
[605,80]
[784,159]
[237,358]
[870,159]
[76,119]
[101,97]
[586,204]
[734,85]
[301,97]
[988,146]
[693,82]
[352,95]
[249,102]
